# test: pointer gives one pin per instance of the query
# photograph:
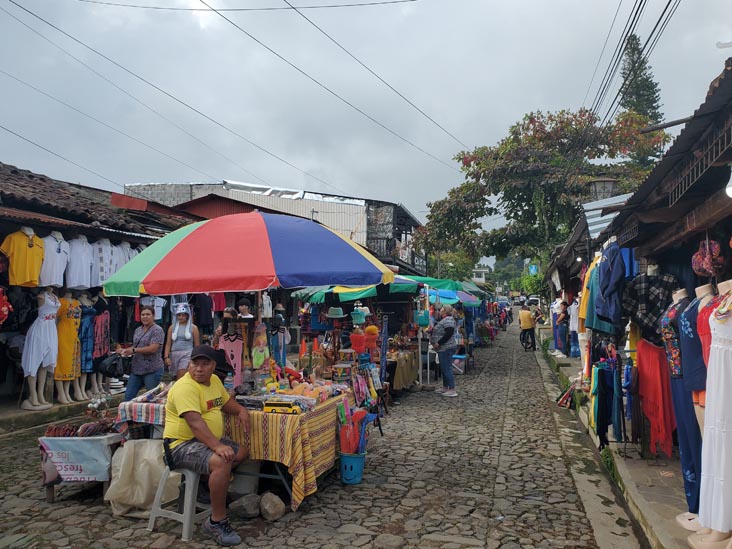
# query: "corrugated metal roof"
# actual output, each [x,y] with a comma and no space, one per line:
[596,222]
[33,218]
[718,97]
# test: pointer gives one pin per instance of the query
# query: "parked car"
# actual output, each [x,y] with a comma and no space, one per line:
[533,300]
[517,300]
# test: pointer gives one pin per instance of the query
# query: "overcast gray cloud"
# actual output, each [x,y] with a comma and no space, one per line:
[476,66]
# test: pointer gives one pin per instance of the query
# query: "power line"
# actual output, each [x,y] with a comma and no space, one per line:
[273,8]
[174,98]
[352,56]
[326,88]
[599,59]
[136,140]
[59,156]
[132,96]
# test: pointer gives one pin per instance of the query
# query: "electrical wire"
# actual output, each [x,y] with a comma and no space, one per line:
[326,88]
[116,130]
[273,8]
[174,98]
[357,60]
[60,156]
[132,96]
[602,52]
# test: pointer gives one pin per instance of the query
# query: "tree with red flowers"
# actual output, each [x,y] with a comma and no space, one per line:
[536,178]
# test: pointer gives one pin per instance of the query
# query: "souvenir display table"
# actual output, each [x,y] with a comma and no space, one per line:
[305,443]
[76,459]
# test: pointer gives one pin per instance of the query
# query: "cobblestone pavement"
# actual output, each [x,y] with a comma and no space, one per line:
[499,466]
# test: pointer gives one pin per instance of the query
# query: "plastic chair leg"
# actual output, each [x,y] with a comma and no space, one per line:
[158,499]
[189,507]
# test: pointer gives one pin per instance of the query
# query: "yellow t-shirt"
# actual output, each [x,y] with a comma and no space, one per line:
[526,320]
[187,395]
[25,255]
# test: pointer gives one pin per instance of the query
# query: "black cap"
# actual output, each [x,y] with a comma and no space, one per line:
[203,351]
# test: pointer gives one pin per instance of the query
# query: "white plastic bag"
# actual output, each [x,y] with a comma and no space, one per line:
[136,471]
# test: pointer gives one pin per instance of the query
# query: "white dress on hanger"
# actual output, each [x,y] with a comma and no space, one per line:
[715,505]
[41,342]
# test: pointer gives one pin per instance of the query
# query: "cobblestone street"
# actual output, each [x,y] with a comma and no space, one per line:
[499,466]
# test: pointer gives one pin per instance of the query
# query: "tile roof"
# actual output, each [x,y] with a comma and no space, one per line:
[40,194]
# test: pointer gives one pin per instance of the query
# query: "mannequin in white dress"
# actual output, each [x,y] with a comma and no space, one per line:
[41,351]
[706,538]
[705,293]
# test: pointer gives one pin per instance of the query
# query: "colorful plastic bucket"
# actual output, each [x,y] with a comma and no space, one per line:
[352,468]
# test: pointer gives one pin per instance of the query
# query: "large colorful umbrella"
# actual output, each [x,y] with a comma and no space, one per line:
[247,252]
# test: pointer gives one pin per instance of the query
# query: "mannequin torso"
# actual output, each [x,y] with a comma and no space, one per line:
[678,295]
[704,293]
[725,286]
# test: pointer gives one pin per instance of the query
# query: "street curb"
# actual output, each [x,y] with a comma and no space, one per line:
[641,510]
[25,419]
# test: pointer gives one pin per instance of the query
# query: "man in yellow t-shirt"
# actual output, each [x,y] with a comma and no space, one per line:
[528,322]
[194,425]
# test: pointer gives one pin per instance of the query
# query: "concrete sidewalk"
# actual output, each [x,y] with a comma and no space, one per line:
[653,490]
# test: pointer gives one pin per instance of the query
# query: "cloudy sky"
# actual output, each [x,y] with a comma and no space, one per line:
[475,66]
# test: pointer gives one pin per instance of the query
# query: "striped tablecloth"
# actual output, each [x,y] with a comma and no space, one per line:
[306,443]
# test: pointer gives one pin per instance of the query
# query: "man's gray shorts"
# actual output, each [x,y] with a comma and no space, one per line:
[195,455]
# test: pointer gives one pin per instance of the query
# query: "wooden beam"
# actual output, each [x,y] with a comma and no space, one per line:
[711,211]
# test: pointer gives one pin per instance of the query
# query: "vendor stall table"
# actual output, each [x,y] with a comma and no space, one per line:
[76,459]
[304,443]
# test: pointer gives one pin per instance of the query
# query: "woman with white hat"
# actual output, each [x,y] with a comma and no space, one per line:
[182,337]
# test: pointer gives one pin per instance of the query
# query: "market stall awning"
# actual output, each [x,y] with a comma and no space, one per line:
[450,297]
[247,252]
[439,283]
[474,289]
[400,284]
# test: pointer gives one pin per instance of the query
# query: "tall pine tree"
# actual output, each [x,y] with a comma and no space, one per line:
[641,93]
[642,96]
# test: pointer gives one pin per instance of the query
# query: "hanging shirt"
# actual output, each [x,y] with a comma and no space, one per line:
[608,301]
[645,299]
[156,303]
[55,261]
[219,301]
[25,254]
[78,272]
[670,335]
[266,306]
[574,316]
[102,261]
[203,309]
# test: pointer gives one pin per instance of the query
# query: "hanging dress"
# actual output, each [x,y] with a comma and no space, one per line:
[232,345]
[101,331]
[86,338]
[715,508]
[41,341]
[68,366]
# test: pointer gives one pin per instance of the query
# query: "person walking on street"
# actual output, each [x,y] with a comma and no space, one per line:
[443,341]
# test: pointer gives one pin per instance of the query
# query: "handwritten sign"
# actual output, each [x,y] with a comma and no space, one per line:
[77,459]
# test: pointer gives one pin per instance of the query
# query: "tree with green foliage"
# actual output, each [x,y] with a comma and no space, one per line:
[536,177]
[641,92]
[641,95]
[456,265]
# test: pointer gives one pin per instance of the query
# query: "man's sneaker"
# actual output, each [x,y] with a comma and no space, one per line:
[450,393]
[222,532]
[561,355]
[440,389]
